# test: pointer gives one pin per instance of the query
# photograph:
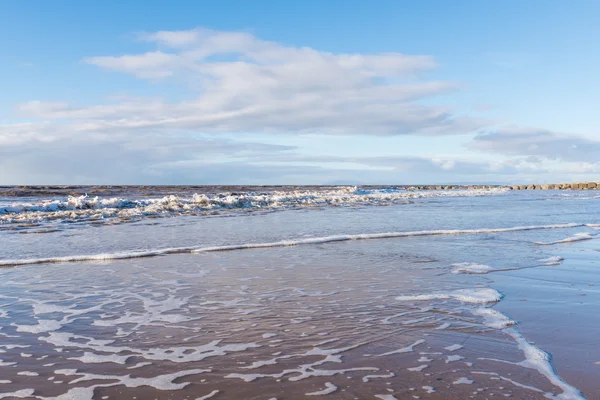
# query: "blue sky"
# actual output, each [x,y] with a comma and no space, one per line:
[271,92]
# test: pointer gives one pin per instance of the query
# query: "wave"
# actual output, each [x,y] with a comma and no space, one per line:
[85,208]
[575,238]
[283,243]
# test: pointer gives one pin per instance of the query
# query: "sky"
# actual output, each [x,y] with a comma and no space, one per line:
[299,92]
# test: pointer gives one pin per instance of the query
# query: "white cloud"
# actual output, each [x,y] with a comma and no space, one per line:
[242,84]
[154,64]
[519,141]
[418,166]
[245,84]
[126,159]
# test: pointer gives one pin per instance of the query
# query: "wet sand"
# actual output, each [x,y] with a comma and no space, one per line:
[557,307]
[284,323]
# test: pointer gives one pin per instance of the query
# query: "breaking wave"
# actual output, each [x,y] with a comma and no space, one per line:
[84,208]
[283,243]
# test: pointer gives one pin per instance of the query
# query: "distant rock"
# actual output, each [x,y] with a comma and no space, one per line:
[559,186]
[533,186]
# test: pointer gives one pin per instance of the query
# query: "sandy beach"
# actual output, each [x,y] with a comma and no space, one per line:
[331,303]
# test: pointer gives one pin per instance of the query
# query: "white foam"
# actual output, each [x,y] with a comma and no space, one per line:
[388,320]
[470,268]
[510,380]
[43,325]
[429,389]
[76,393]
[91,358]
[367,378]
[575,238]
[182,354]
[208,396]
[140,365]
[19,394]
[283,243]
[419,368]
[329,388]
[27,373]
[272,361]
[406,349]
[453,358]
[477,295]
[84,207]
[536,358]
[555,260]
[493,318]
[306,370]
[454,347]
[160,382]
[462,381]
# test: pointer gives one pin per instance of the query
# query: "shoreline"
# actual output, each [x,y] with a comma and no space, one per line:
[432,315]
[10,191]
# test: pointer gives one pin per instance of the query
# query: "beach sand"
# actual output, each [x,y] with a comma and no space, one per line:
[276,323]
[487,307]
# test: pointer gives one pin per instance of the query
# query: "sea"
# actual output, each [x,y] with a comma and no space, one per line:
[294,292]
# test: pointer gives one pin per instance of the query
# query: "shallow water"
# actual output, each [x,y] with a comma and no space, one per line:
[441,296]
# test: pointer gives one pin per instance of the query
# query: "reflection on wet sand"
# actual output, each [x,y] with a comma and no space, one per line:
[323,320]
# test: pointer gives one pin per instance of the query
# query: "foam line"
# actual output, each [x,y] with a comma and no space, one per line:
[536,358]
[283,243]
[329,388]
[474,296]
[575,238]
[470,268]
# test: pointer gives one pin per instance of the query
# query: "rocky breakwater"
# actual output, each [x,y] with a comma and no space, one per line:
[546,186]
[559,186]
[451,187]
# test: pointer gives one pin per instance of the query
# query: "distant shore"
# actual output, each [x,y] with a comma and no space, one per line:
[546,186]
[164,190]
[559,186]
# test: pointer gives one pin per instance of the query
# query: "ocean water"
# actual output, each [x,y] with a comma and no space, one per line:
[295,292]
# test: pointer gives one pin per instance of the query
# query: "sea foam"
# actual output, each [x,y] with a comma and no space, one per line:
[470,268]
[76,208]
[475,296]
[575,238]
[536,358]
[283,243]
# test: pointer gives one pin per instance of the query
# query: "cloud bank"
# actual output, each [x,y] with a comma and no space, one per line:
[519,141]
[242,85]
